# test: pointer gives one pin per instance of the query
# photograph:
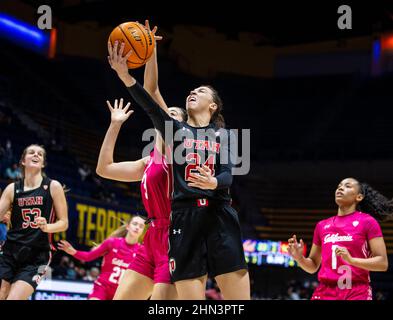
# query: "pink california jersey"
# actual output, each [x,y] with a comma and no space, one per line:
[156,186]
[118,255]
[352,231]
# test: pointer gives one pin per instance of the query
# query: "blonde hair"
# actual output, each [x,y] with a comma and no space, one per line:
[122,231]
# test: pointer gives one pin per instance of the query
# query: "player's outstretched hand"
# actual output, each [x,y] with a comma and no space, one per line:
[118,113]
[117,61]
[154,31]
[66,247]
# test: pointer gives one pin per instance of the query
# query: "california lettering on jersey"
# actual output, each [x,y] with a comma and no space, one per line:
[30,201]
[333,238]
[120,263]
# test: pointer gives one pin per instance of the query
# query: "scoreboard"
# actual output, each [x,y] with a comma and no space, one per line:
[267,252]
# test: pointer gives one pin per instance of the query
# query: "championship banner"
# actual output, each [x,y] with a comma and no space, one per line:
[91,222]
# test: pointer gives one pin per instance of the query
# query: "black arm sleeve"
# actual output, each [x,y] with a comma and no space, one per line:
[227,158]
[224,180]
[153,110]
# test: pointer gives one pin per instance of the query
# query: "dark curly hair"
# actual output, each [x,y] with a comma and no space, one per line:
[375,203]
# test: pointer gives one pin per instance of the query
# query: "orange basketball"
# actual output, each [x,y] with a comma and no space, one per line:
[136,37]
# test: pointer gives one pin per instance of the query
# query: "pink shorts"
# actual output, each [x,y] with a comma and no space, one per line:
[152,259]
[103,291]
[360,291]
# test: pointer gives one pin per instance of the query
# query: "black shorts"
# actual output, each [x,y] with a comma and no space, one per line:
[23,263]
[204,240]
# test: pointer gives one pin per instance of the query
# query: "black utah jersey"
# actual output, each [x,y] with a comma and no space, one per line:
[27,206]
[192,147]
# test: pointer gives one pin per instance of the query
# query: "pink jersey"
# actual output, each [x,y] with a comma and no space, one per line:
[352,231]
[118,255]
[156,186]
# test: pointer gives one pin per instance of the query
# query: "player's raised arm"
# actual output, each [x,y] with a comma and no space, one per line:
[150,82]
[126,171]
[139,94]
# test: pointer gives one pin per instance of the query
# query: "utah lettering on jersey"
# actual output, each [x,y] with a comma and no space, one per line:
[30,201]
[202,145]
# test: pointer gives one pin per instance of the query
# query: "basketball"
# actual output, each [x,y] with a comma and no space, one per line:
[136,37]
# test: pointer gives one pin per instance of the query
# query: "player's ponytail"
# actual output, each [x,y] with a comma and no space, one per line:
[217,118]
[375,203]
[121,231]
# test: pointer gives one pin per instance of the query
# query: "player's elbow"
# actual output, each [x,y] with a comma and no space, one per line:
[230,179]
[312,271]
[310,266]
[382,264]
[385,265]
[101,171]
[224,181]
[65,225]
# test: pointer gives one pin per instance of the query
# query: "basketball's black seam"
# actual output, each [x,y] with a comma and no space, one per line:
[146,42]
[131,44]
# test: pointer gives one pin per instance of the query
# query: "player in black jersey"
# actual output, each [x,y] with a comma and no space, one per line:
[205,237]
[38,209]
